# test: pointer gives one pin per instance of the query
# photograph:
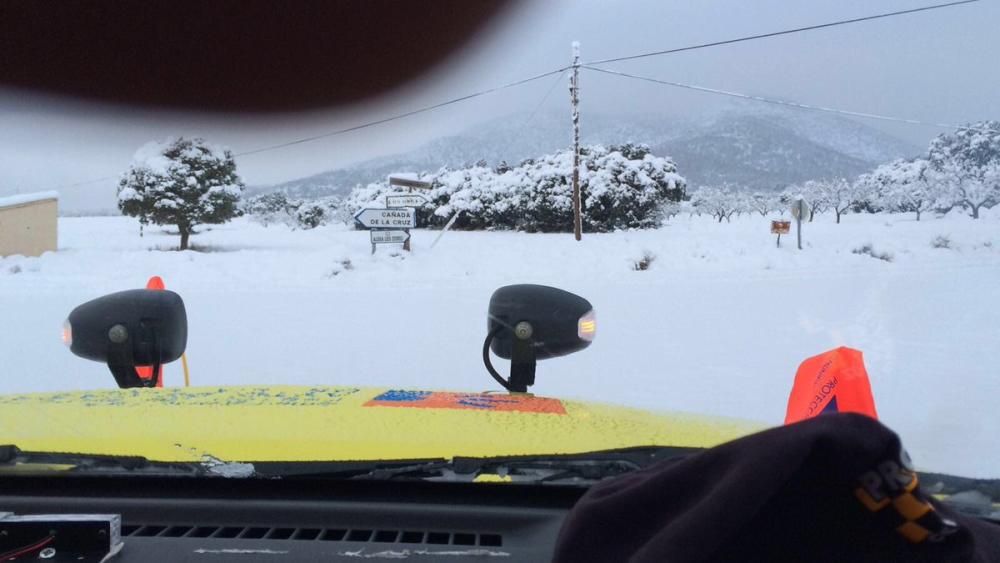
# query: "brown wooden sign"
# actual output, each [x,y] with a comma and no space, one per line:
[408,183]
[780,227]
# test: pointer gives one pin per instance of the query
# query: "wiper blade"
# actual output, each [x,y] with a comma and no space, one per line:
[582,468]
[13,458]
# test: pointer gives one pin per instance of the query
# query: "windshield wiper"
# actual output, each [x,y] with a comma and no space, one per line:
[581,468]
[13,458]
[533,471]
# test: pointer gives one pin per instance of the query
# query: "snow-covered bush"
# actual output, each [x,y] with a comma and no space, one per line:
[272,208]
[941,241]
[278,208]
[627,186]
[869,250]
[621,187]
[310,215]
[182,182]
[643,263]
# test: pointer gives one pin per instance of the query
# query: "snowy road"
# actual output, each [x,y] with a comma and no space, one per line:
[717,325]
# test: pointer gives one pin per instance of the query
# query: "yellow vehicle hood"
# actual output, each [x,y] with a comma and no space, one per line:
[288,423]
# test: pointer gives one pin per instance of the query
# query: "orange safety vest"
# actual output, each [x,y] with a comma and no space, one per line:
[834,381]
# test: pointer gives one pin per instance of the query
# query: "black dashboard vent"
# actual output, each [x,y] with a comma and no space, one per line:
[370,535]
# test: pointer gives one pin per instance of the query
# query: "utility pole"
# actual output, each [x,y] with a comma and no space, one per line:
[574,91]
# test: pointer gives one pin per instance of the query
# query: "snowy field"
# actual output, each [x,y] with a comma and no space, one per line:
[717,324]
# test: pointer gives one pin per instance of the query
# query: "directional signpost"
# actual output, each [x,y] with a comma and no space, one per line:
[405,200]
[389,236]
[401,218]
[387,224]
[392,225]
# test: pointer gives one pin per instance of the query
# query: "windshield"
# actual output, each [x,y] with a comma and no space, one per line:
[726,200]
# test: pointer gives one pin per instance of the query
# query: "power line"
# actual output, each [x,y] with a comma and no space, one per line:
[84,183]
[361,126]
[778,102]
[777,33]
[402,115]
[541,103]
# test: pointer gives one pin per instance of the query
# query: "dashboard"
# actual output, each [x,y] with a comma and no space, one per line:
[216,519]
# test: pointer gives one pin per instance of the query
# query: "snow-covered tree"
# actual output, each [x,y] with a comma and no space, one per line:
[815,195]
[967,163]
[763,202]
[626,186]
[182,182]
[671,209]
[721,202]
[902,185]
[837,194]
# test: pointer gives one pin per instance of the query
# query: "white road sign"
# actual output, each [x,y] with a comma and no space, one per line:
[401,218]
[407,200]
[800,209]
[383,237]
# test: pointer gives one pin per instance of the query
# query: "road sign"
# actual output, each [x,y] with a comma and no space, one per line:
[799,212]
[780,227]
[389,236]
[408,183]
[405,200]
[799,208]
[399,218]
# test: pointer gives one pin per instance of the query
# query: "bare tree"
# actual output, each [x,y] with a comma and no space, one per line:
[720,202]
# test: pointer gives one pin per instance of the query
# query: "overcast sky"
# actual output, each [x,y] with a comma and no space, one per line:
[938,66]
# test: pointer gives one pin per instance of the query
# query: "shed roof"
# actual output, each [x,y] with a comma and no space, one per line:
[21,199]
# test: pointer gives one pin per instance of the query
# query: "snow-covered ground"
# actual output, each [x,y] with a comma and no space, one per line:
[717,324]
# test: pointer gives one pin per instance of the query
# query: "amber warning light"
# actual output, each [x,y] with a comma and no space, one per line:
[528,322]
[586,328]
[67,333]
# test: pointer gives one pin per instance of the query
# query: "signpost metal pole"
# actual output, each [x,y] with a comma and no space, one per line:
[801,206]
[780,228]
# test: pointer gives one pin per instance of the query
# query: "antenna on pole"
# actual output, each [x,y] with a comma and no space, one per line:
[574,90]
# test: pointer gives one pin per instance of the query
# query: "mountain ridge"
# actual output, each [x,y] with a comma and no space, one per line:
[766,148]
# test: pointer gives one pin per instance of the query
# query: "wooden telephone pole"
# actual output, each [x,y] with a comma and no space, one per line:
[574,91]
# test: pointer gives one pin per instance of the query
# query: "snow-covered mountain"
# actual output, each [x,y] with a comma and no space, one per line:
[762,148]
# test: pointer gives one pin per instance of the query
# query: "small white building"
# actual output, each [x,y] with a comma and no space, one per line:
[29,223]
